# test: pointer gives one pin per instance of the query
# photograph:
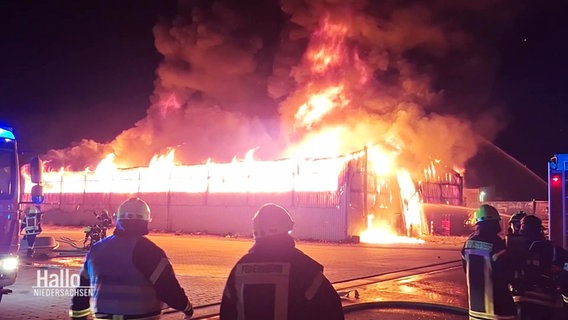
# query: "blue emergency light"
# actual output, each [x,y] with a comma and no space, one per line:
[6,134]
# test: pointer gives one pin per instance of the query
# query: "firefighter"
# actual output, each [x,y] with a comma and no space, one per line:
[92,235]
[515,222]
[517,248]
[539,297]
[275,280]
[488,268]
[105,222]
[31,225]
[129,275]
[563,281]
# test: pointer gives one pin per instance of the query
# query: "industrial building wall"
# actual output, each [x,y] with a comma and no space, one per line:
[317,215]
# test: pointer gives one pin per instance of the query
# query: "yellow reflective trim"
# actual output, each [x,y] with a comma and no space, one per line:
[79,313]
[479,245]
[158,271]
[488,316]
[270,273]
[121,317]
[313,288]
[488,286]
[497,255]
[480,315]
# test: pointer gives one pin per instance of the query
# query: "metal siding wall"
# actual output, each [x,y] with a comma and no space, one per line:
[155,198]
[316,199]
[227,199]
[285,199]
[159,215]
[187,199]
[50,198]
[99,199]
[326,224]
[435,214]
[319,216]
[213,220]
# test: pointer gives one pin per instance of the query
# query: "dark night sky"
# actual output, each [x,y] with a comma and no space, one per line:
[72,70]
[76,69]
[532,83]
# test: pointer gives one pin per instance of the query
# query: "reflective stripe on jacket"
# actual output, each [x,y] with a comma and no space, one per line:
[119,287]
[488,276]
[31,225]
[276,281]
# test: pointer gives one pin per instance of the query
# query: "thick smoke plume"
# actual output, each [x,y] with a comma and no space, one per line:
[236,73]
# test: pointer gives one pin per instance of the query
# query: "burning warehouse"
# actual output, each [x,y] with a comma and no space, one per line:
[360,195]
[311,83]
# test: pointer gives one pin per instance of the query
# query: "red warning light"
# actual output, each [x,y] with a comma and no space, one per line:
[555,180]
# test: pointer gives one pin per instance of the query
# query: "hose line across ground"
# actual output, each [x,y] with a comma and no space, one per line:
[426,306]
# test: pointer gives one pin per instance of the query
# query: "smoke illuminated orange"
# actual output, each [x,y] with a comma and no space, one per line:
[314,163]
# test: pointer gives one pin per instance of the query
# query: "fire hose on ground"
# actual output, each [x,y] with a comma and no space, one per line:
[375,305]
[345,292]
[422,306]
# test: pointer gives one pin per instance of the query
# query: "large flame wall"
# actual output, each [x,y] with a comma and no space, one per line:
[331,199]
[210,198]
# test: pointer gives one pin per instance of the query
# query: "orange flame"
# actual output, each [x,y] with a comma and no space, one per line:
[331,39]
[320,104]
[164,175]
[383,234]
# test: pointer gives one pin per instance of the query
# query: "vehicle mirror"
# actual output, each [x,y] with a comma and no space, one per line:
[36,169]
[37,194]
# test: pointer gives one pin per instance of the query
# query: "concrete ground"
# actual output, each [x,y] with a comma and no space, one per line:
[203,262]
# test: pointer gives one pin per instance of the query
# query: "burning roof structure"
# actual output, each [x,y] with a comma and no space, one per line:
[363,194]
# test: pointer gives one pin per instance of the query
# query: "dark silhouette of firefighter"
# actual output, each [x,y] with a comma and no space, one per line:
[515,222]
[275,280]
[488,268]
[105,222]
[539,291]
[517,247]
[31,226]
[93,234]
[130,276]
[97,231]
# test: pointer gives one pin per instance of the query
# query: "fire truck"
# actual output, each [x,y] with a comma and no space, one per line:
[11,206]
[557,201]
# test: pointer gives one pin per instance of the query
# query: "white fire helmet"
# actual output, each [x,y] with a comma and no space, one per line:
[31,210]
[270,220]
[134,209]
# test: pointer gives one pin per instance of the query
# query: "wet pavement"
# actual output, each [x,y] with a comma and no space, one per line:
[203,262]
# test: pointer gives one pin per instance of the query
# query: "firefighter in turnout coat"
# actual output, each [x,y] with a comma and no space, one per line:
[488,269]
[517,249]
[31,226]
[276,281]
[130,276]
[539,296]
